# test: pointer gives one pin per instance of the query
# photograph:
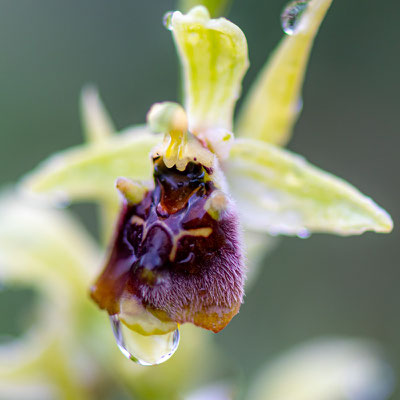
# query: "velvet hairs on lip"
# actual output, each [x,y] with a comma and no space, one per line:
[175,257]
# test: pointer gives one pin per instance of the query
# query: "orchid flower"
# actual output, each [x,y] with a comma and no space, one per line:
[177,253]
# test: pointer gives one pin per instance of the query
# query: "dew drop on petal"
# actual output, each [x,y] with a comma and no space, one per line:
[144,350]
[291,15]
[298,106]
[167,20]
[303,233]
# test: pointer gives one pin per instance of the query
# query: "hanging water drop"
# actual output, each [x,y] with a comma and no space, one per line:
[167,20]
[303,233]
[144,350]
[291,15]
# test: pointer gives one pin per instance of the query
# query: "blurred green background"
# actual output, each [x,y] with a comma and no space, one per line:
[324,285]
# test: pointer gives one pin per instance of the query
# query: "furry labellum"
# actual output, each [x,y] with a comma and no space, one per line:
[176,255]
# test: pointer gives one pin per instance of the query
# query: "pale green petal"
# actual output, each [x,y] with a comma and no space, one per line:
[326,369]
[279,192]
[97,124]
[88,172]
[213,54]
[98,129]
[215,7]
[273,104]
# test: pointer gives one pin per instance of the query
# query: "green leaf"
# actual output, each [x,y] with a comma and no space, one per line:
[215,7]
[279,192]
[274,102]
[89,172]
[213,54]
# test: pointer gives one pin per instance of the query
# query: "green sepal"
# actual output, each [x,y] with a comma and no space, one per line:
[281,193]
[273,104]
[89,172]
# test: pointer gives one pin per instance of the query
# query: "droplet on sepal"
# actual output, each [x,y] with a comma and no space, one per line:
[291,15]
[304,233]
[144,350]
[167,20]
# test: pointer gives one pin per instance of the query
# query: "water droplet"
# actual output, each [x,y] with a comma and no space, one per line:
[304,233]
[144,350]
[167,20]
[291,15]
[299,106]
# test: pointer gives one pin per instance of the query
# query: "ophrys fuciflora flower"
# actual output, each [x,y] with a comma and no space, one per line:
[177,249]
[176,256]
[177,253]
